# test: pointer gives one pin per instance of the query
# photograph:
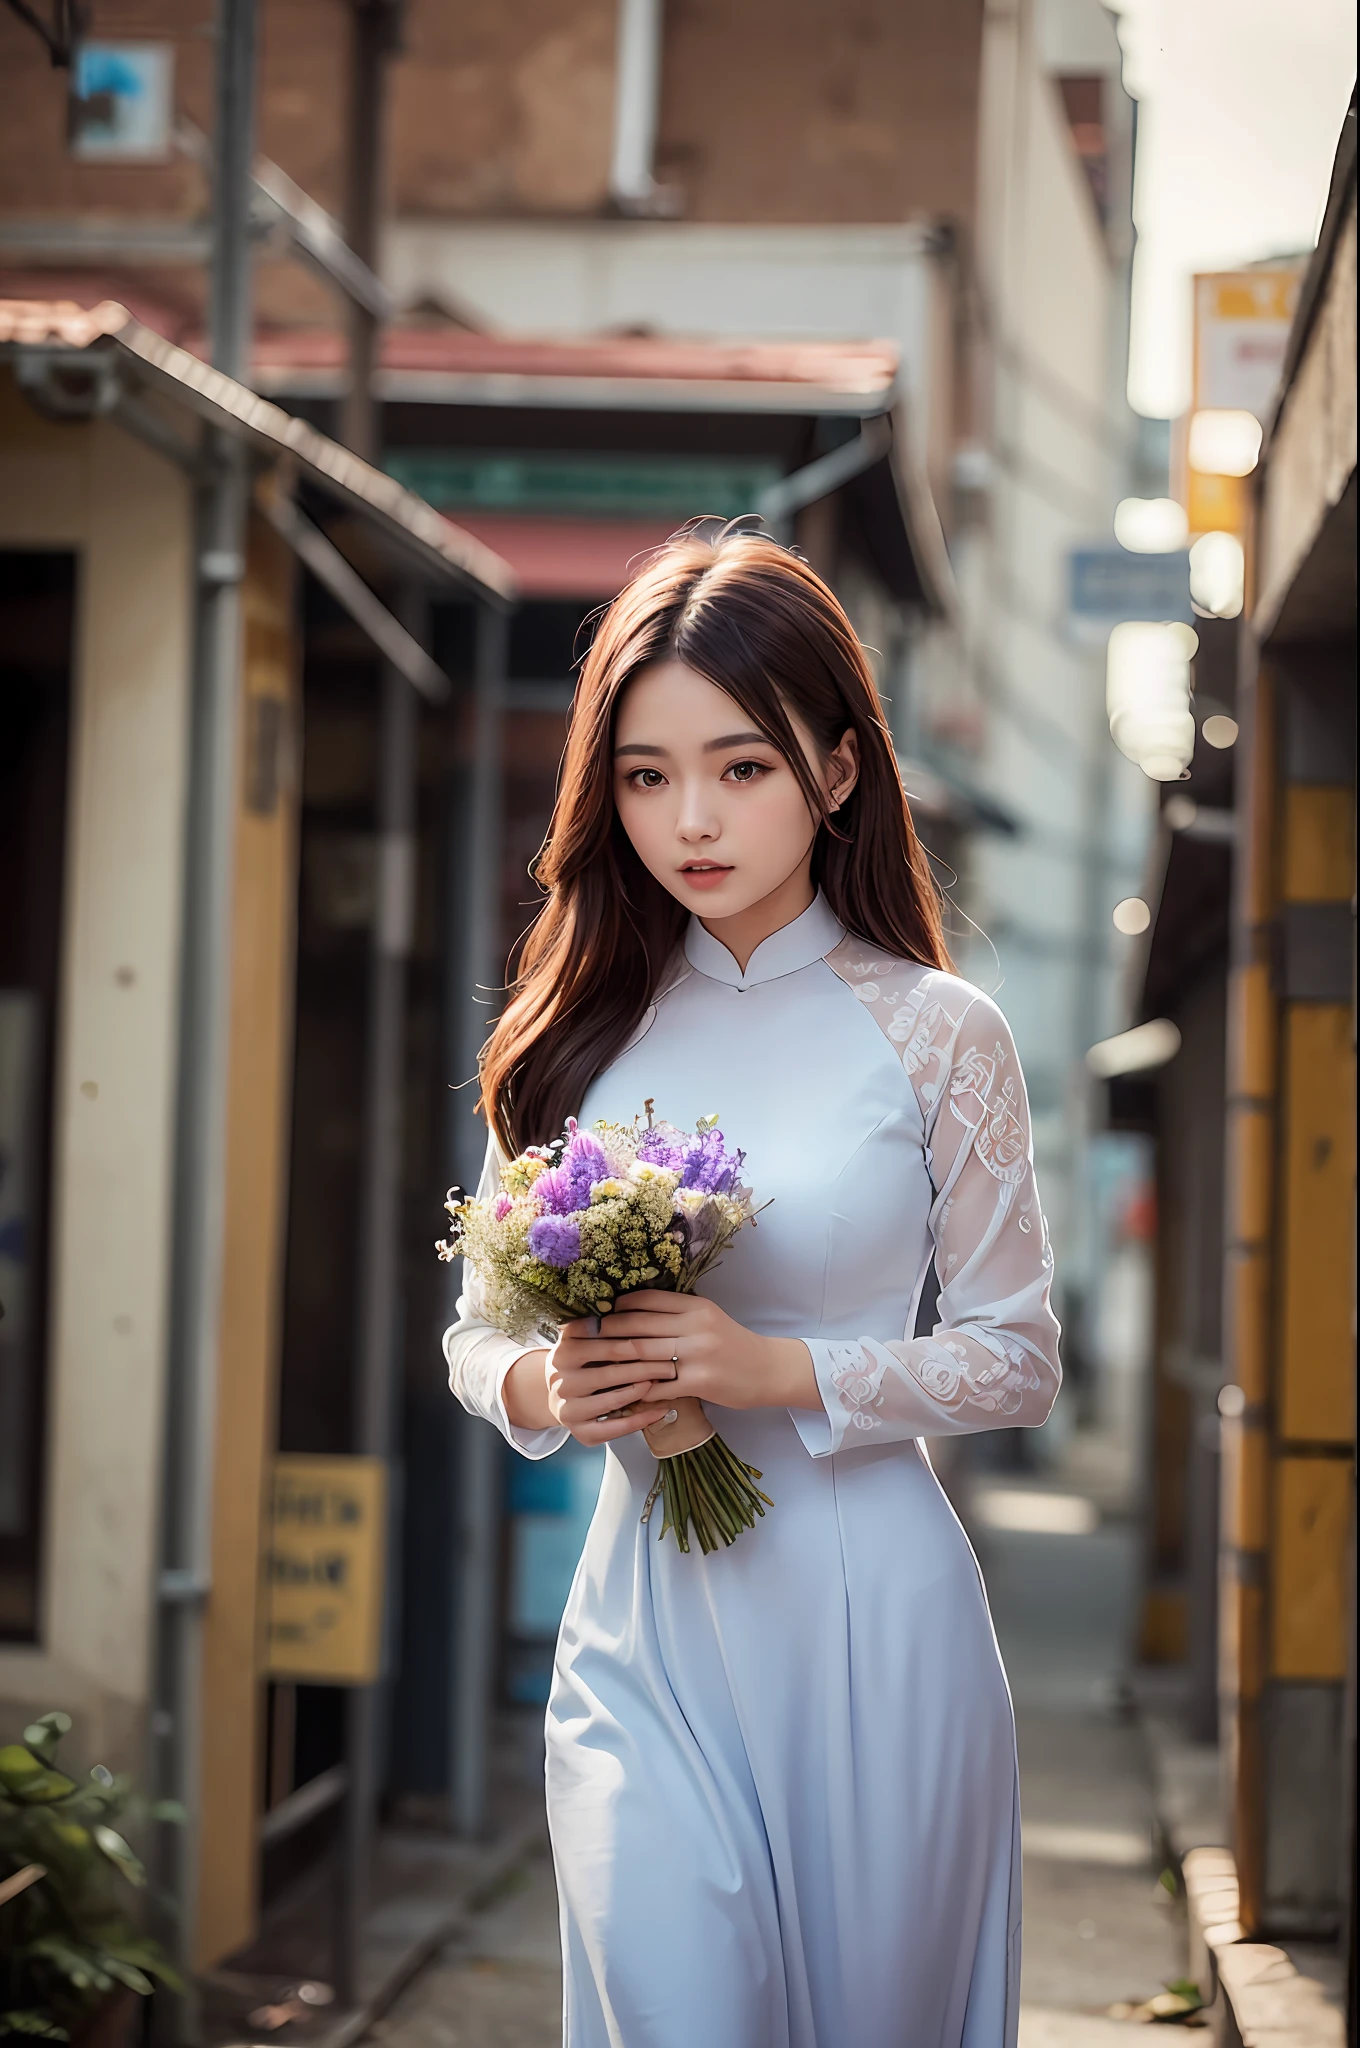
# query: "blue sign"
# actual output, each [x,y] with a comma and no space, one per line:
[122,97]
[1113,585]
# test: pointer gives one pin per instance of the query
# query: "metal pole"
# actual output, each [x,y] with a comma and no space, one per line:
[229,295]
[373,36]
[379,1279]
[372,25]
[478,1450]
[204,1026]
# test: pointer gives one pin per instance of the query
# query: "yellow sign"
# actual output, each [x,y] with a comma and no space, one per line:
[324,1567]
[1242,323]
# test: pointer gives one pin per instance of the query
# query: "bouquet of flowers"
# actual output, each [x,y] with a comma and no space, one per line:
[580,1224]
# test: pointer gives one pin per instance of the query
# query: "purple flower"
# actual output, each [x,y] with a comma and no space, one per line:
[555,1239]
[660,1146]
[709,1166]
[564,1188]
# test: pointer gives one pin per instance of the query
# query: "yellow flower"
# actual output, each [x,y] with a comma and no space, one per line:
[520,1175]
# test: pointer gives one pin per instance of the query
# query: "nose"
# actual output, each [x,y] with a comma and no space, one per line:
[696,822]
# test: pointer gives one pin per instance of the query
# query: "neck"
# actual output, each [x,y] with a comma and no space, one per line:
[746,929]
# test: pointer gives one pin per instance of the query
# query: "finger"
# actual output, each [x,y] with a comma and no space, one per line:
[627,1328]
[597,1379]
[611,1350]
[586,1407]
[652,1299]
[606,1432]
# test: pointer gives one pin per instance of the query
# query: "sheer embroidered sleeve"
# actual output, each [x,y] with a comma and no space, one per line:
[992,1359]
[479,1355]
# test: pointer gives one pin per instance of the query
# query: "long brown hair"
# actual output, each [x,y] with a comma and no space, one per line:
[757,622]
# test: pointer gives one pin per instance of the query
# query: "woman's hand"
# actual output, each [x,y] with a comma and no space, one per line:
[584,1392]
[692,1348]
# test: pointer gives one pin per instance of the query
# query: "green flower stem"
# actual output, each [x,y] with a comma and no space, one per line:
[710,1493]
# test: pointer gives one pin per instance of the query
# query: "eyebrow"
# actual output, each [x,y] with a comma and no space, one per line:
[731,739]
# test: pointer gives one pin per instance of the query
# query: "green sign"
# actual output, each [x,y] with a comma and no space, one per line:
[607,486]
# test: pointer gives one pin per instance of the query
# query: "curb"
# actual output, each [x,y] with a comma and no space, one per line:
[1254,1995]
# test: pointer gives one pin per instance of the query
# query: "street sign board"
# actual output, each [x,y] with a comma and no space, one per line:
[1113,585]
[324,1568]
[1242,323]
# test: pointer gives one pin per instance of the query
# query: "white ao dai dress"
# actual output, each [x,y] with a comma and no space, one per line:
[781,1780]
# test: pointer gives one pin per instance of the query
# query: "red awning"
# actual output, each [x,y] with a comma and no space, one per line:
[587,558]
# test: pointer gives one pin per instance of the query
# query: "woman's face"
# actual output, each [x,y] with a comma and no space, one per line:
[711,806]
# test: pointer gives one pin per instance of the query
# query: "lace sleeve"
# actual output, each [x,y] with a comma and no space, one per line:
[992,1360]
[480,1356]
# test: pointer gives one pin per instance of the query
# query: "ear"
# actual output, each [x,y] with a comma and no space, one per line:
[842,767]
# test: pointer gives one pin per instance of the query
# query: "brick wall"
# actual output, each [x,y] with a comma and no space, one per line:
[799,110]
[772,110]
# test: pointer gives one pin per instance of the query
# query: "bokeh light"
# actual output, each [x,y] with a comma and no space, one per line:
[1138,1051]
[1150,526]
[1224,443]
[1132,916]
[1147,695]
[1220,731]
[1218,574]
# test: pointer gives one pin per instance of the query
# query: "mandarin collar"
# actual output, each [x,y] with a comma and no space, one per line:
[811,936]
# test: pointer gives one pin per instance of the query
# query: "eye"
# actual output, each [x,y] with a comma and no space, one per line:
[747,771]
[646,778]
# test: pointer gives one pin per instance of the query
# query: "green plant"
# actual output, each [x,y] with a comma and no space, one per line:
[67,1937]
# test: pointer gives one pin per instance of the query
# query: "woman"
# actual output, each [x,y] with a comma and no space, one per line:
[781,1779]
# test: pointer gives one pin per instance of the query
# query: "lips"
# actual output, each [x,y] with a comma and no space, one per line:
[706,877]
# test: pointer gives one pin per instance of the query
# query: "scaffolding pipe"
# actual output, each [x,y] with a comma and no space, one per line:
[475,894]
[378,1307]
[204,1029]
[373,29]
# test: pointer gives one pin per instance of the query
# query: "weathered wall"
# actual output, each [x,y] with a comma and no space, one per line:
[128,515]
[501,109]
[792,110]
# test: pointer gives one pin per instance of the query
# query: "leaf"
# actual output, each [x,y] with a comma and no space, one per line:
[43,1735]
[32,2023]
[44,1788]
[147,1955]
[71,1834]
[128,1973]
[170,1810]
[119,1854]
[80,1966]
[18,1767]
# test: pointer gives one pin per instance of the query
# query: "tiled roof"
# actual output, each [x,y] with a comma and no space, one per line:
[446,362]
[864,368]
[219,399]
